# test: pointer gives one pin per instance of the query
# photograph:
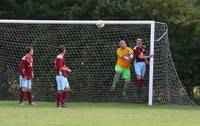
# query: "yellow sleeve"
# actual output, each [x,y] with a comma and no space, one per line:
[119,54]
[130,51]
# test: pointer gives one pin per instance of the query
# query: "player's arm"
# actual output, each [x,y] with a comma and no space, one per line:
[32,71]
[145,57]
[146,61]
[61,68]
[130,55]
[65,69]
[33,75]
[22,69]
[128,58]
[146,53]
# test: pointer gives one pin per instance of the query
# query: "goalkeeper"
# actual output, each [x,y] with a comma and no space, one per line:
[122,67]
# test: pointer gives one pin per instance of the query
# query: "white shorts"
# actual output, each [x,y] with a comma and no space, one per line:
[24,83]
[62,82]
[140,68]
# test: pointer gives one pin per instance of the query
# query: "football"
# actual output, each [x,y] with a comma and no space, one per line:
[100,24]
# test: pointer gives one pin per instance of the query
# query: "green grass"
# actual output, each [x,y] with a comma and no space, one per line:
[97,114]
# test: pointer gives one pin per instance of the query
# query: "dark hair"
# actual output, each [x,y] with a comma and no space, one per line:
[28,49]
[138,36]
[61,48]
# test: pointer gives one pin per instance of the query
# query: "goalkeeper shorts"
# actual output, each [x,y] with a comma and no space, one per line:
[140,68]
[126,73]
[24,83]
[62,83]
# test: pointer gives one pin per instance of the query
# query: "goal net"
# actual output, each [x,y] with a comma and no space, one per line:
[91,54]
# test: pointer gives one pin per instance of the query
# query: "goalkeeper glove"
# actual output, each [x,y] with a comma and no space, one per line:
[127,58]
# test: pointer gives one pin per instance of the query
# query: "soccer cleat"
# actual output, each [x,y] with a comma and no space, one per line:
[112,88]
[21,103]
[125,96]
[33,104]
[64,106]
[59,106]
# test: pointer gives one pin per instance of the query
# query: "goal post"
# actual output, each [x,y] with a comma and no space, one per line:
[150,100]
[79,33]
[73,22]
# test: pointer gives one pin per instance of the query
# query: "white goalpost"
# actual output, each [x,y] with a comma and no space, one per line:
[150,101]
[82,36]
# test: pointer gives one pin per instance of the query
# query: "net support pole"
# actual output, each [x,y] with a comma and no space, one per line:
[150,100]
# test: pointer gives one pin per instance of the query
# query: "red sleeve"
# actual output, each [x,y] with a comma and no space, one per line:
[21,68]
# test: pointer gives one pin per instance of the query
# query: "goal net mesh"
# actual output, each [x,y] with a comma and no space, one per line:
[91,54]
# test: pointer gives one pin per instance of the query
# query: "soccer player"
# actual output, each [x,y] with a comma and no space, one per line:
[26,75]
[62,71]
[140,64]
[122,67]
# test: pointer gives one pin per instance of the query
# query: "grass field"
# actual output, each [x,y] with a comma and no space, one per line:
[97,114]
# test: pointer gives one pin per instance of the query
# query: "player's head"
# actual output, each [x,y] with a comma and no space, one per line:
[139,42]
[62,49]
[122,44]
[29,50]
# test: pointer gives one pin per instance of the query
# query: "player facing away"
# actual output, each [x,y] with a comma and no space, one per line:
[26,76]
[140,64]
[62,71]
[122,67]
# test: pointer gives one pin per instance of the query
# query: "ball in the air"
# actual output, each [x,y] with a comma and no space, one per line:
[100,24]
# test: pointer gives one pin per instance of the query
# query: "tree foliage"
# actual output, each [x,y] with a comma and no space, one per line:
[182,17]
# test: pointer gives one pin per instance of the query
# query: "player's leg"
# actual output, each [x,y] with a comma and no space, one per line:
[126,75]
[139,77]
[60,89]
[23,88]
[21,97]
[66,92]
[143,69]
[29,92]
[59,96]
[29,96]
[118,71]
[138,71]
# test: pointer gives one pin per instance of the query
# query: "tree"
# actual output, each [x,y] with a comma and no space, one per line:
[182,17]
